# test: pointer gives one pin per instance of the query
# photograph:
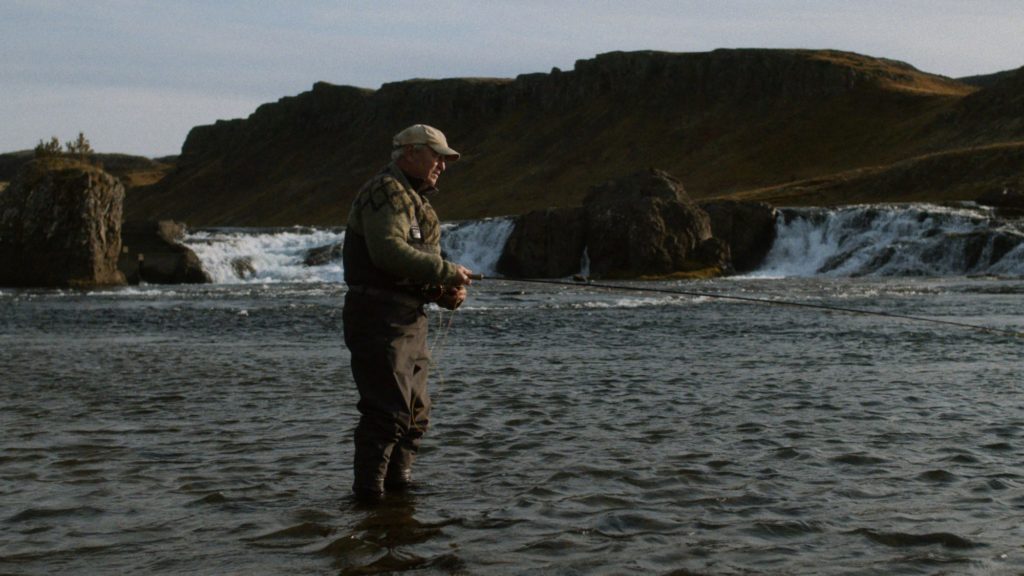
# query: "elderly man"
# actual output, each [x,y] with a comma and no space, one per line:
[393,267]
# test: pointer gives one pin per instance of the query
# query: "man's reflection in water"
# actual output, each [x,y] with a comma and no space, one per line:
[379,541]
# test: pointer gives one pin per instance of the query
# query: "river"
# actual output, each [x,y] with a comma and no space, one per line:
[576,430]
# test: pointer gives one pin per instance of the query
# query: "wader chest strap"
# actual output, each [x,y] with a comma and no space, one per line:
[393,296]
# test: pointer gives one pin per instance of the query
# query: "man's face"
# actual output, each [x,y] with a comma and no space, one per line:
[424,163]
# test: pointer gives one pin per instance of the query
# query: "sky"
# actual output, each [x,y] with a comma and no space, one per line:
[135,76]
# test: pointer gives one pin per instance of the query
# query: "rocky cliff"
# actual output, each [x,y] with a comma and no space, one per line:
[60,226]
[724,122]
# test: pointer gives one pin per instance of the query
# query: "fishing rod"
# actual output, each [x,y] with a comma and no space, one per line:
[582,281]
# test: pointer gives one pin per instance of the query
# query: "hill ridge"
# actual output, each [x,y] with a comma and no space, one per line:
[723,122]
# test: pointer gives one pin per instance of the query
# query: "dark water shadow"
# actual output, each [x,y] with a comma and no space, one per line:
[382,541]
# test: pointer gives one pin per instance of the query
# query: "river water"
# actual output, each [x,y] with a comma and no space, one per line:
[576,430]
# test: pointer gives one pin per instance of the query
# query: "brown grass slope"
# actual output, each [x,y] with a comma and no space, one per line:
[726,122]
[131,170]
[983,140]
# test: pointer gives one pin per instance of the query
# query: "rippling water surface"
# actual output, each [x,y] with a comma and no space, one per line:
[206,430]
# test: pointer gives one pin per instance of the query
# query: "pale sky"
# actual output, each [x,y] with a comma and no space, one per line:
[135,75]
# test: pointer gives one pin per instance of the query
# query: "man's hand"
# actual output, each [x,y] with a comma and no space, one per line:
[463,277]
[452,297]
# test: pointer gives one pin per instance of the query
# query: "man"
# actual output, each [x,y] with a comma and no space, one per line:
[393,266]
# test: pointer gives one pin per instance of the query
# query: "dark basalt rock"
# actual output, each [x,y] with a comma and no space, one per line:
[645,224]
[641,225]
[747,227]
[323,254]
[60,226]
[153,253]
[545,244]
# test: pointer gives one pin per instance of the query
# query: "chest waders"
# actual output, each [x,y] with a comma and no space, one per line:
[385,329]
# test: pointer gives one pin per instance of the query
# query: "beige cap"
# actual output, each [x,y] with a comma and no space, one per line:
[423,134]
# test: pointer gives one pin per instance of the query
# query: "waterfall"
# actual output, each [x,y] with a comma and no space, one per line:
[477,244]
[870,240]
[894,240]
[268,255]
[264,255]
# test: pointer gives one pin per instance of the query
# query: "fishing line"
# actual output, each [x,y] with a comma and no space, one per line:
[438,345]
[754,300]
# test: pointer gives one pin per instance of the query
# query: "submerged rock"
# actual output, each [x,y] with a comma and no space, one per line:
[323,254]
[60,226]
[243,268]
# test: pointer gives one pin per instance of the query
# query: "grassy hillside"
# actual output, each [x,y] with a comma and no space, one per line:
[133,171]
[958,174]
[776,124]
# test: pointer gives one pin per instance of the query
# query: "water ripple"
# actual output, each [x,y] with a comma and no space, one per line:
[571,433]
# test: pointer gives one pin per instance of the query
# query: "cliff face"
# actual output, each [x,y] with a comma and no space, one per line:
[723,122]
[60,226]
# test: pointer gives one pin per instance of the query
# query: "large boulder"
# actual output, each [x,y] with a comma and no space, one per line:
[60,226]
[641,225]
[545,244]
[747,227]
[646,225]
[153,253]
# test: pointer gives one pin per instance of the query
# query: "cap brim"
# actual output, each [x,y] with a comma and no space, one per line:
[449,154]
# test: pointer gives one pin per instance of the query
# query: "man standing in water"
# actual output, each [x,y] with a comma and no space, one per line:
[393,267]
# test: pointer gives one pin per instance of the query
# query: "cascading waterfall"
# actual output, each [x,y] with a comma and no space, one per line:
[257,256]
[873,240]
[240,255]
[894,240]
[477,244]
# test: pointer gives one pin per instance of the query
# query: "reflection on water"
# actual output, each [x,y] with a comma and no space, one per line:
[207,430]
[380,539]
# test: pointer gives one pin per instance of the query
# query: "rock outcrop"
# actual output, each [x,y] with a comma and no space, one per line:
[748,228]
[642,225]
[60,226]
[545,244]
[153,253]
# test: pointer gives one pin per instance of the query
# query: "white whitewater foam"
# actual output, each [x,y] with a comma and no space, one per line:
[875,240]
[891,240]
[259,256]
[477,244]
[240,256]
